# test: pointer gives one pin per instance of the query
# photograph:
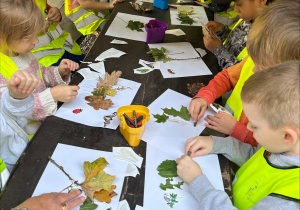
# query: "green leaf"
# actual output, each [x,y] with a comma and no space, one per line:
[101,181]
[178,185]
[88,205]
[168,168]
[93,169]
[135,25]
[143,70]
[185,19]
[160,118]
[159,55]
[183,113]
[98,92]
[168,185]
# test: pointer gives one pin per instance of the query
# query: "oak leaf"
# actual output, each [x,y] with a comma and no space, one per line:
[101,104]
[183,113]
[105,195]
[109,80]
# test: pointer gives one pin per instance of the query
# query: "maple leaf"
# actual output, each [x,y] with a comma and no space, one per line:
[92,169]
[183,113]
[101,181]
[135,25]
[185,19]
[167,168]
[166,186]
[101,104]
[111,92]
[159,54]
[160,118]
[109,80]
[105,195]
[88,205]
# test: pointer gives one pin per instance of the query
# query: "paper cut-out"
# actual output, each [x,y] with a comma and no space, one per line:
[77,111]
[171,199]
[108,118]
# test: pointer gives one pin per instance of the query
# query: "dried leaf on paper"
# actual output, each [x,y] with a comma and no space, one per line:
[101,104]
[109,80]
[160,118]
[194,88]
[99,92]
[105,195]
[92,169]
[111,92]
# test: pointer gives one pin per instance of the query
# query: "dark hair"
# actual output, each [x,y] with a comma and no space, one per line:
[268,1]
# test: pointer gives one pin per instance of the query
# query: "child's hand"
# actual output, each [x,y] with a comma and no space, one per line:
[221,122]
[211,43]
[187,169]
[201,4]
[22,83]
[64,93]
[214,26]
[66,66]
[114,3]
[54,15]
[197,108]
[199,145]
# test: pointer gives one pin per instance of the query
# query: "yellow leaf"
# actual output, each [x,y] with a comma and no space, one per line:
[105,195]
[93,169]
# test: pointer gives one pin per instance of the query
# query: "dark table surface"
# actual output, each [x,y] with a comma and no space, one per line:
[33,161]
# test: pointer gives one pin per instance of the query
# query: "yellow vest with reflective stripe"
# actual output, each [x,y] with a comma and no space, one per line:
[230,14]
[234,101]
[205,1]
[243,54]
[4,174]
[258,178]
[52,45]
[86,21]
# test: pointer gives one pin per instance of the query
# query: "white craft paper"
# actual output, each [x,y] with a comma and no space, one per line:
[181,68]
[198,15]
[154,195]
[201,51]
[110,53]
[137,207]
[91,117]
[88,74]
[123,205]
[118,27]
[116,41]
[171,129]
[127,154]
[54,180]
[131,170]
[176,32]
[99,67]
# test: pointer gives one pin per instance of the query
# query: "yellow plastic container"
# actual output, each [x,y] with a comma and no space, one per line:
[133,135]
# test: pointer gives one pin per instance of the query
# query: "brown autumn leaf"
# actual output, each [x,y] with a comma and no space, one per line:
[105,195]
[194,88]
[101,104]
[94,184]
[109,80]
[93,98]
[92,169]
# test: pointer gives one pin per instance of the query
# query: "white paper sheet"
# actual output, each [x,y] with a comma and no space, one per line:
[154,195]
[155,133]
[201,51]
[91,117]
[110,53]
[99,67]
[118,27]
[123,205]
[131,170]
[176,32]
[199,15]
[54,180]
[181,68]
[127,154]
[116,41]
[88,74]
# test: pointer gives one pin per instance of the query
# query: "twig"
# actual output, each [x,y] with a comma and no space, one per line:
[62,169]
[182,59]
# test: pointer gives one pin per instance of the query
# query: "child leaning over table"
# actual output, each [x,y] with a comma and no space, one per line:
[280,20]
[229,45]
[20,22]
[269,177]
[16,105]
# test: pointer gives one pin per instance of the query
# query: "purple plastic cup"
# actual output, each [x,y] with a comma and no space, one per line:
[155,31]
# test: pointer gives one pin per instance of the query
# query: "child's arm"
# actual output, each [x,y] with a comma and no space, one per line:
[93,5]
[54,14]
[225,58]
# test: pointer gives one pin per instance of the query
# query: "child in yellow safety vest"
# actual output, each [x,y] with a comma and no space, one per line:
[269,175]
[280,21]
[20,22]
[229,45]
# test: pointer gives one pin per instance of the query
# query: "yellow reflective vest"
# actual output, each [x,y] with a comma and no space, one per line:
[243,54]
[4,174]
[86,21]
[258,178]
[52,45]
[234,102]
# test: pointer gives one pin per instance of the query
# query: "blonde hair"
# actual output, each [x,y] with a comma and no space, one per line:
[274,36]
[276,91]
[19,20]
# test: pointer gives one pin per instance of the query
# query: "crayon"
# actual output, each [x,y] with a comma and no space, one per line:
[125,115]
[134,119]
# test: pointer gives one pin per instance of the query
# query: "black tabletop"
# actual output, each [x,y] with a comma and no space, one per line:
[54,130]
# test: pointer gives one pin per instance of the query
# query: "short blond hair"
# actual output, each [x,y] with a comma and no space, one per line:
[274,36]
[276,91]
[19,20]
